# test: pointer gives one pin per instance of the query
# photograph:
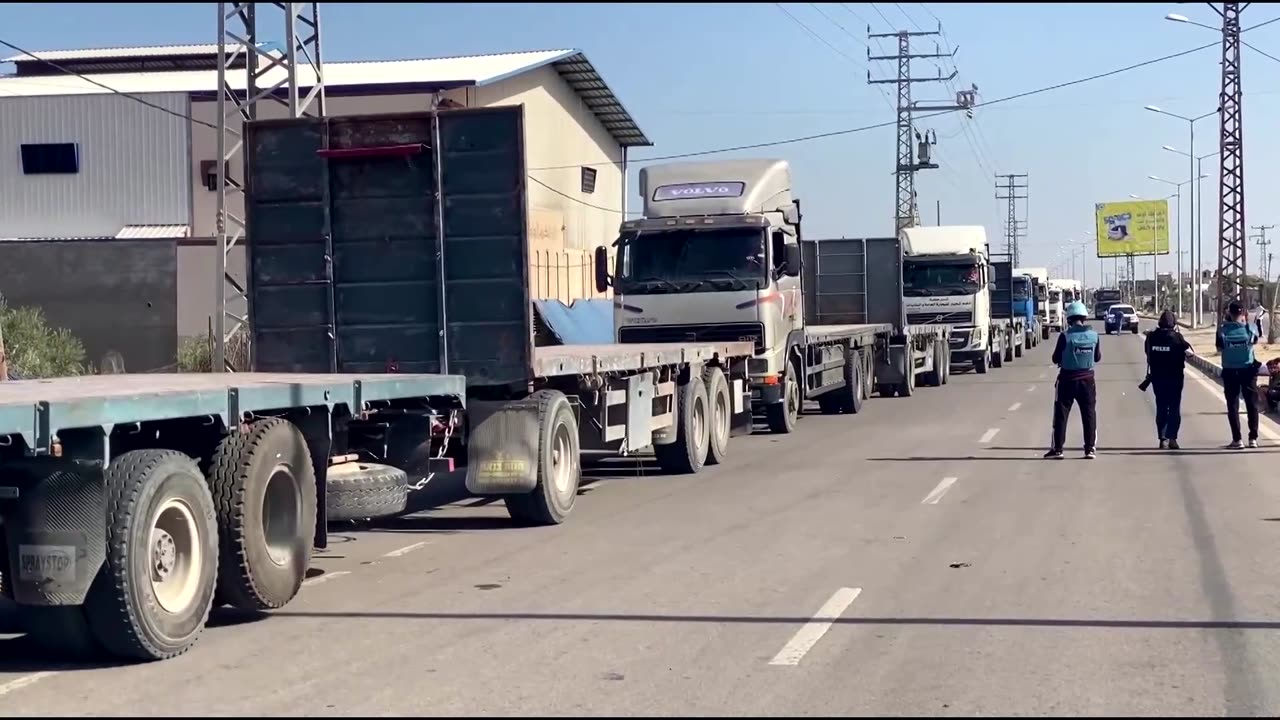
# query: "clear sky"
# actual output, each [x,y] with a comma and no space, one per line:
[702,76]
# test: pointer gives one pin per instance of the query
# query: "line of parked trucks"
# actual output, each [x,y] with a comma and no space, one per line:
[393,339]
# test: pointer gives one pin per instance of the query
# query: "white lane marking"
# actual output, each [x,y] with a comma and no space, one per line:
[406,550]
[1014,407]
[309,582]
[986,436]
[1043,375]
[1031,389]
[1264,422]
[809,635]
[24,681]
[933,497]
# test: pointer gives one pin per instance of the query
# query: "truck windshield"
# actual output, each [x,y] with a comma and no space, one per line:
[1055,296]
[939,279]
[1021,289]
[1106,295]
[688,260]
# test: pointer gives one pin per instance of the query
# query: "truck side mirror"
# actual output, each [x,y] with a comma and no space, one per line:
[991,286]
[792,253]
[602,269]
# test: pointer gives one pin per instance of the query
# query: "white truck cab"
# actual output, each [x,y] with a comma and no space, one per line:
[946,279]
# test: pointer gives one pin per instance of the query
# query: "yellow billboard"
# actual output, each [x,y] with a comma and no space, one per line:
[1133,227]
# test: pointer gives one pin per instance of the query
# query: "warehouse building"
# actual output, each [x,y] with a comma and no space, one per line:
[118,146]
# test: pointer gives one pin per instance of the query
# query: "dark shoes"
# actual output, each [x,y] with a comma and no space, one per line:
[1053,455]
[1173,445]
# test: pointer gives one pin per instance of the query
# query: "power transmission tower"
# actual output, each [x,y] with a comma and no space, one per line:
[269,73]
[1013,228]
[1231,225]
[907,213]
[1264,263]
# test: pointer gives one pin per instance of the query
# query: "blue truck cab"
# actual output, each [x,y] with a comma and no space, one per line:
[1025,294]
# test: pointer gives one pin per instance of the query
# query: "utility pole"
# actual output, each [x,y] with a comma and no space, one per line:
[240,42]
[1231,225]
[1013,228]
[913,147]
[1263,260]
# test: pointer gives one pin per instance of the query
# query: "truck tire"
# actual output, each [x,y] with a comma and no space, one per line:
[264,486]
[868,360]
[933,378]
[846,399]
[907,387]
[997,358]
[559,465]
[946,363]
[721,407]
[365,491]
[1044,333]
[688,453]
[1017,350]
[980,364]
[1008,348]
[782,416]
[152,597]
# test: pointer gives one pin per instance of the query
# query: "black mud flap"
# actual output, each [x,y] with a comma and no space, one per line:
[55,525]
[502,447]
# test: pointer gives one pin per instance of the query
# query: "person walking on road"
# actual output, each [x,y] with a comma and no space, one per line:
[1075,355]
[1166,365]
[1235,341]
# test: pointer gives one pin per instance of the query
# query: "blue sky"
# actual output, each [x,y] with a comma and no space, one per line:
[699,76]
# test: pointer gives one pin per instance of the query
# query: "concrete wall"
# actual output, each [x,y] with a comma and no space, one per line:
[115,295]
[133,164]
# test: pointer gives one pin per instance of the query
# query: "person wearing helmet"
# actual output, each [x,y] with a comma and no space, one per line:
[1235,341]
[1077,352]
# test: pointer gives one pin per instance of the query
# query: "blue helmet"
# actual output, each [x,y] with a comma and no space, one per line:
[1076,310]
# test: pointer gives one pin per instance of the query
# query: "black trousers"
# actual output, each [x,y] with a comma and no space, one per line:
[1168,391]
[1084,393]
[1240,383]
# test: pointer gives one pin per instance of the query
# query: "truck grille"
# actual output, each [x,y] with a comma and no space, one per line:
[688,334]
[940,318]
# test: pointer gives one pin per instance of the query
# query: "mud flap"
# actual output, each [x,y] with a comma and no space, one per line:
[502,447]
[55,525]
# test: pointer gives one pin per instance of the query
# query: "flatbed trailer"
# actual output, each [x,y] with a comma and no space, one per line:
[392,335]
[857,283]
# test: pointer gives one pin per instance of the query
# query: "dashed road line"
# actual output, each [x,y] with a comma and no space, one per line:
[406,549]
[942,488]
[320,579]
[1031,388]
[25,681]
[988,435]
[1014,407]
[809,635]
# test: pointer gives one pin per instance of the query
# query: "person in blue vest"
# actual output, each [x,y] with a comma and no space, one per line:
[1077,352]
[1235,341]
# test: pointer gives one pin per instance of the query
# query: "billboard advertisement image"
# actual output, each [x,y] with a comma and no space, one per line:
[1133,227]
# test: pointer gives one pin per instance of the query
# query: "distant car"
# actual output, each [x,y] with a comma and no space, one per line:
[1121,318]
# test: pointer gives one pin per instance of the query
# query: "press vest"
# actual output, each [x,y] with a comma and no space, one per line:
[1237,345]
[1165,352]
[1082,342]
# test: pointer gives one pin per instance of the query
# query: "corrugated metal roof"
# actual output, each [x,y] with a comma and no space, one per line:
[149,232]
[478,70]
[121,52]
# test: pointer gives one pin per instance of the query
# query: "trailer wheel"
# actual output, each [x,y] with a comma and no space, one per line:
[721,407]
[688,453]
[559,465]
[1008,350]
[946,364]
[782,416]
[152,597]
[868,374]
[855,383]
[264,486]
[907,387]
[980,364]
[1044,333]
[997,358]
[364,491]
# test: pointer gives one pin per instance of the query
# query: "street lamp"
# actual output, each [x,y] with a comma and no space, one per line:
[1178,193]
[1197,226]
[1191,125]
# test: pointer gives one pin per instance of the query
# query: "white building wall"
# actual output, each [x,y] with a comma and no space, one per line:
[561,130]
[133,164]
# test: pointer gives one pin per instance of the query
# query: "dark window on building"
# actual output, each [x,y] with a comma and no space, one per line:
[588,180]
[51,159]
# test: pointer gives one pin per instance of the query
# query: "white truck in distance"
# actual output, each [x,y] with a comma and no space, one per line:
[947,279]
[1041,276]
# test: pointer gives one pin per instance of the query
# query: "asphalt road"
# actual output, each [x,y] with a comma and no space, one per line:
[957,572]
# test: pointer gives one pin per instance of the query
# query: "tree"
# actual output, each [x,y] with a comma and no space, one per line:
[36,350]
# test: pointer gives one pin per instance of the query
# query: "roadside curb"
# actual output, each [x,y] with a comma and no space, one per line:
[1206,366]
